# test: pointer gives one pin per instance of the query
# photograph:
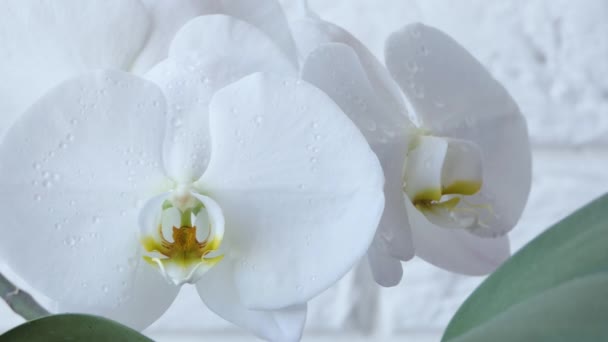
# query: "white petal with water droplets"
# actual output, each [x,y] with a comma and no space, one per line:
[74,170]
[218,290]
[295,178]
[336,69]
[206,55]
[45,42]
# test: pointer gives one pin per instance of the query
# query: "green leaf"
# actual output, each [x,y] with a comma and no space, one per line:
[552,284]
[72,327]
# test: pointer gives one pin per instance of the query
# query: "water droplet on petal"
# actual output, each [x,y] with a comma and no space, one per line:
[177,122]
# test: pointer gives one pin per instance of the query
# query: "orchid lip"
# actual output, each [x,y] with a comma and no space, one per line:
[184,256]
[439,175]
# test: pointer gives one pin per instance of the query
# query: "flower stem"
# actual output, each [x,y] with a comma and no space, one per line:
[21,302]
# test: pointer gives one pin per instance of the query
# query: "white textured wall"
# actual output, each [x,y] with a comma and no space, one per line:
[552,55]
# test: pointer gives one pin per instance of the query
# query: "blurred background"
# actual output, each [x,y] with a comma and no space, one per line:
[552,55]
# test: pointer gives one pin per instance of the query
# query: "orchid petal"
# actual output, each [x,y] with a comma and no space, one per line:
[73,180]
[312,32]
[385,130]
[295,179]
[386,270]
[455,249]
[454,96]
[206,55]
[44,43]
[218,291]
[170,16]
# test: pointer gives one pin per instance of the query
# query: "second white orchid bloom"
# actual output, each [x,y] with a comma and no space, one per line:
[458,182]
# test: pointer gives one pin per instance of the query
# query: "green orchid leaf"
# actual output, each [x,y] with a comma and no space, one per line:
[72,327]
[554,289]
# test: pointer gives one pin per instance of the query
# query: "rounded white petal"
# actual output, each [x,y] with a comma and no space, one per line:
[218,290]
[206,55]
[336,69]
[312,32]
[454,96]
[455,249]
[45,43]
[169,16]
[74,171]
[386,270]
[300,188]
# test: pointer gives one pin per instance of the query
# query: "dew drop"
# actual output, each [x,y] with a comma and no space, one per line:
[37,197]
[412,66]
[47,183]
[419,92]
[259,120]
[69,137]
[37,166]
[371,125]
[46,174]
[313,160]
[177,122]
[96,219]
[469,121]
[70,241]
[57,226]
[73,121]
[424,50]
[105,288]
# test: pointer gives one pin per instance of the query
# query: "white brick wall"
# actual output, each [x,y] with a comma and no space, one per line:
[552,55]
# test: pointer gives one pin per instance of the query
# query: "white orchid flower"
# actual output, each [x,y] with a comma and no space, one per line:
[457,183]
[227,172]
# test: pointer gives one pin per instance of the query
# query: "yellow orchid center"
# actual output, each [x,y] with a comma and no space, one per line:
[439,174]
[187,257]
